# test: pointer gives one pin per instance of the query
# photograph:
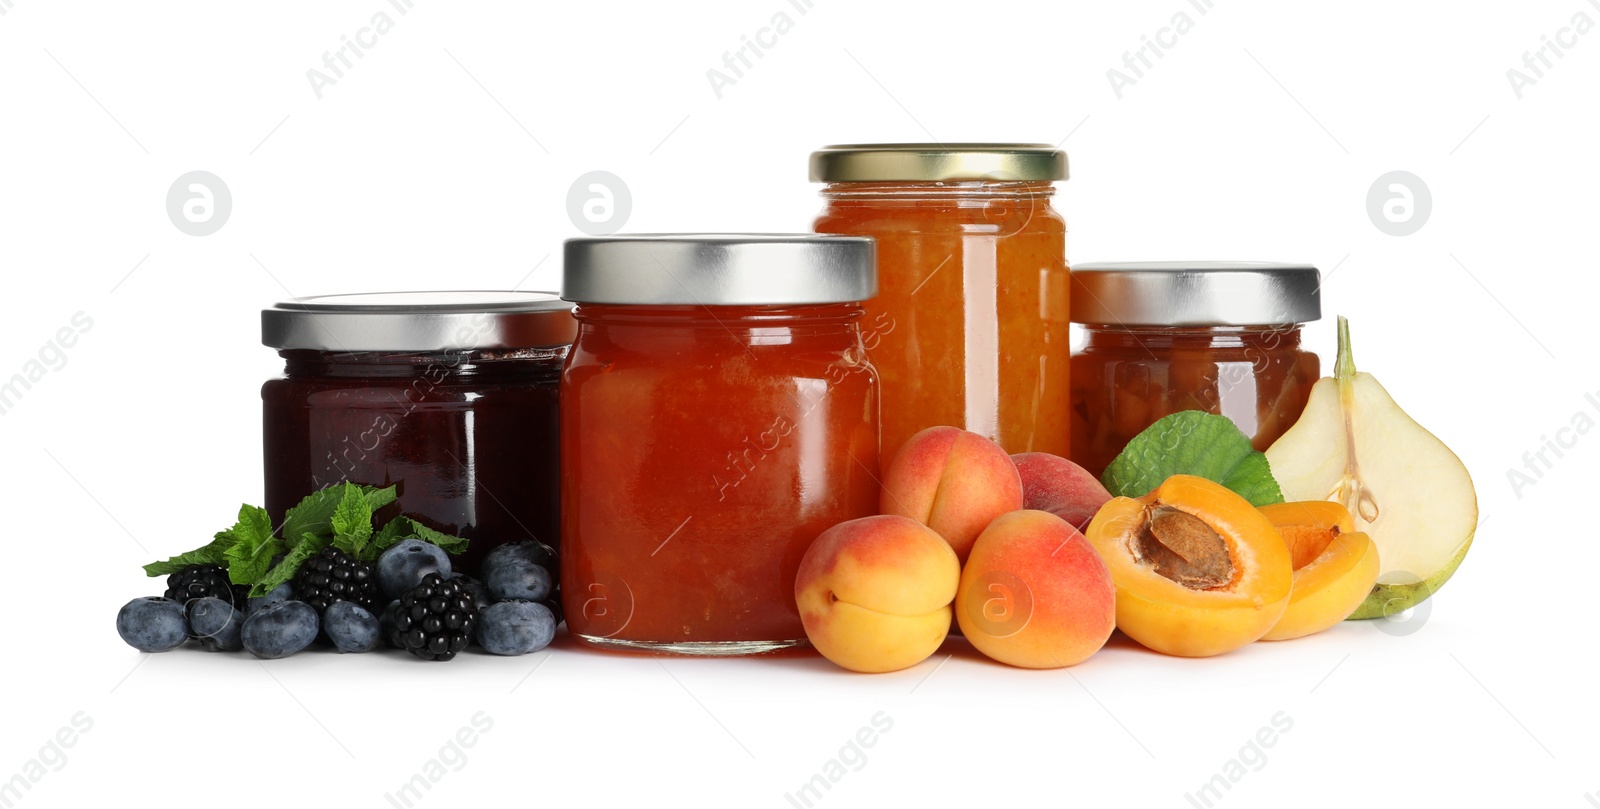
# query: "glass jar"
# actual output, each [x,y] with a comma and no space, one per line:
[970,327]
[718,413]
[1162,337]
[451,397]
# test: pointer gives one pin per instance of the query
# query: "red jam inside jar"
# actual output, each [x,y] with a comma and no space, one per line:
[451,397]
[705,444]
[1164,337]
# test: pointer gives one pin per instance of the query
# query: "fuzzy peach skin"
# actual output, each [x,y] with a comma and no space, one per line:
[952,481]
[874,593]
[1054,484]
[1035,594]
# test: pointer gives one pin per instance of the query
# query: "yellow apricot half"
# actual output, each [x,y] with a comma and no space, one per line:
[1198,570]
[1335,566]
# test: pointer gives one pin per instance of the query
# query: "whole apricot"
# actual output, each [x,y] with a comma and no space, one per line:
[1035,594]
[952,481]
[874,593]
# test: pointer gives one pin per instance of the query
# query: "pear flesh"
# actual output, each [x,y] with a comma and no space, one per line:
[1403,486]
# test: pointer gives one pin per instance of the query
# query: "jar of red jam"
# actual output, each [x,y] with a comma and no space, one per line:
[970,327]
[718,413]
[451,397]
[1162,337]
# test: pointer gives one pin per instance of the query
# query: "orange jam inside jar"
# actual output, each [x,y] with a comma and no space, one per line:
[1163,337]
[721,414]
[971,324]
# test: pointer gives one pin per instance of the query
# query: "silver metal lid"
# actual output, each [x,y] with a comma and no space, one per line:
[728,269]
[420,321]
[938,162]
[1195,293]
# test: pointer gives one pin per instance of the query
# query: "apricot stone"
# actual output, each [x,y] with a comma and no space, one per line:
[1054,484]
[1035,594]
[874,593]
[952,481]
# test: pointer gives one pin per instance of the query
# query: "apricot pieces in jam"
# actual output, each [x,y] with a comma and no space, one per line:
[1198,570]
[1335,566]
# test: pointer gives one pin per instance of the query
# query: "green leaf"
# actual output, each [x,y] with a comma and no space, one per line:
[352,521]
[314,514]
[307,547]
[254,546]
[404,527]
[212,553]
[1193,443]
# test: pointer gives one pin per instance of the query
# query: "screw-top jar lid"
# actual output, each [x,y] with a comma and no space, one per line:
[937,162]
[420,321]
[732,269]
[1195,293]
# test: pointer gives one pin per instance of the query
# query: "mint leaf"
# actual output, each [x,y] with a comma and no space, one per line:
[212,553]
[352,521]
[1193,443]
[403,527]
[253,547]
[314,514]
[307,547]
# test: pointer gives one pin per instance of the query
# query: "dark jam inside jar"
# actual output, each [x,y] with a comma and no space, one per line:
[467,434]
[1125,379]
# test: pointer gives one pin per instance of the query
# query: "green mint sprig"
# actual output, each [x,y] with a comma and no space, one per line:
[338,516]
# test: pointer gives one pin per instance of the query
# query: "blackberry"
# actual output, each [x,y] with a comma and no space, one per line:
[332,575]
[205,581]
[435,619]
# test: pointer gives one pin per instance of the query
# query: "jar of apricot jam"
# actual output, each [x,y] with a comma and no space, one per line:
[451,397]
[970,327]
[718,413]
[1161,337]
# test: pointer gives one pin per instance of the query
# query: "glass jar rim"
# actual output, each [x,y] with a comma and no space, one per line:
[419,321]
[1195,293]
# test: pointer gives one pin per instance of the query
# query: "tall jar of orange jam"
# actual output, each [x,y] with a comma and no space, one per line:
[1162,337]
[970,326]
[721,413]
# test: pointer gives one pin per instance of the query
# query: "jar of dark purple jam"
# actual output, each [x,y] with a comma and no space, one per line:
[451,397]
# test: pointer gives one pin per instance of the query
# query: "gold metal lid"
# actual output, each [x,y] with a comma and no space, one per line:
[937,162]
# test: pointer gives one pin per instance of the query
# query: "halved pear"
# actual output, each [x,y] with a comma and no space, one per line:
[1403,486]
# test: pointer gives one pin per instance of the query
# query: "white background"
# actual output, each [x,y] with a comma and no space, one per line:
[443,159]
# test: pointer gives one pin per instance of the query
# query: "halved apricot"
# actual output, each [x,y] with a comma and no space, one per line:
[1199,571]
[1335,565]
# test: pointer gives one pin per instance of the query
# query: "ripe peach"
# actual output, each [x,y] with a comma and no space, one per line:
[952,481]
[1054,484]
[1035,594]
[874,593]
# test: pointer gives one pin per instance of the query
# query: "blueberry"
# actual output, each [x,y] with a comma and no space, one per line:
[515,628]
[350,627]
[216,624]
[531,551]
[520,579]
[282,592]
[402,566]
[152,624]
[280,629]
